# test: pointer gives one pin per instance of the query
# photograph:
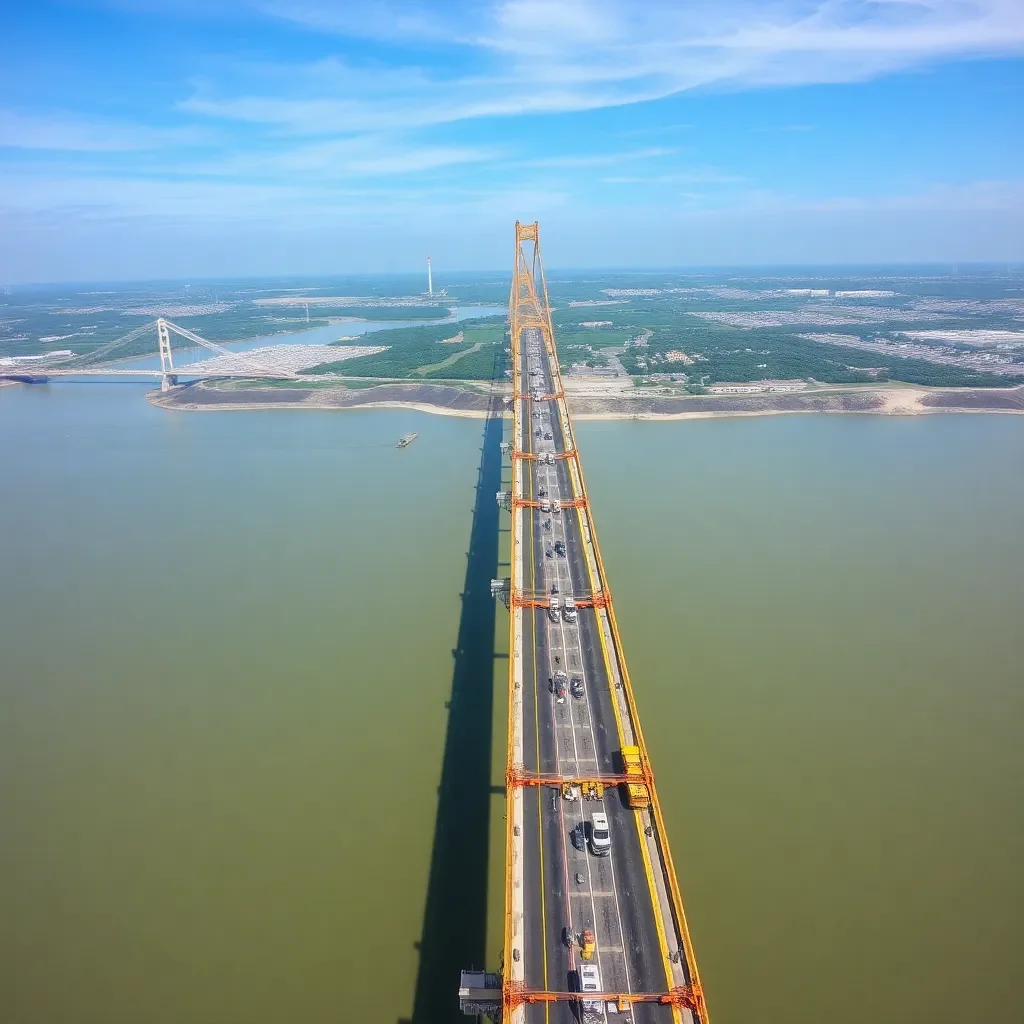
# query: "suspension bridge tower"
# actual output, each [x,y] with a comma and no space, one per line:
[168,377]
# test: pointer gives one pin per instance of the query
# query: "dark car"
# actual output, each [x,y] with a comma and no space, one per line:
[559,548]
[548,552]
[558,684]
[578,837]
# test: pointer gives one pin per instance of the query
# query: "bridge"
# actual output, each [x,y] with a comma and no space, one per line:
[108,359]
[594,925]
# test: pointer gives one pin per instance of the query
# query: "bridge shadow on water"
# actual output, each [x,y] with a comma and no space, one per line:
[454,935]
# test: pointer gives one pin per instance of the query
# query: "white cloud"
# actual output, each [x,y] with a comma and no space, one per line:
[193,202]
[557,56]
[70,133]
[599,159]
[696,177]
[363,156]
[335,141]
[996,196]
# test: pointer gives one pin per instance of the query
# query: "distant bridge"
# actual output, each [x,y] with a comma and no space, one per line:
[98,362]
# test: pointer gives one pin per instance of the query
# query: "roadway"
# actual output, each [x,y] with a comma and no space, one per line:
[566,887]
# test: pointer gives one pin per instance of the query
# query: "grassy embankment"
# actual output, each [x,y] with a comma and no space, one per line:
[423,353]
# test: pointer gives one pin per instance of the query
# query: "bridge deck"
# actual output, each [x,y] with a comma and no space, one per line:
[629,898]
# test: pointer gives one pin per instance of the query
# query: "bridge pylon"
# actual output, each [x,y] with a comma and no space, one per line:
[168,377]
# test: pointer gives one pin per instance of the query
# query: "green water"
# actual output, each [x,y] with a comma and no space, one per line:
[822,617]
[227,644]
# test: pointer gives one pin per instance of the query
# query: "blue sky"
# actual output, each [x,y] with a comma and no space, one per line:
[151,138]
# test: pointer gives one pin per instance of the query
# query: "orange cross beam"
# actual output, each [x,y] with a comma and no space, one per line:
[516,776]
[687,997]
[517,395]
[531,456]
[526,503]
[597,601]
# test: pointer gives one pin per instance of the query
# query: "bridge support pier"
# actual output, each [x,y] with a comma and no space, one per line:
[480,995]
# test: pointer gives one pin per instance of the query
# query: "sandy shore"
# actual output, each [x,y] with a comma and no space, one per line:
[431,398]
[624,405]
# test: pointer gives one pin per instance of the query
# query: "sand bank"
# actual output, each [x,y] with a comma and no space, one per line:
[625,405]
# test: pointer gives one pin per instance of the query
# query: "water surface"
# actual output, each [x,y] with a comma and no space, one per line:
[822,617]
[228,641]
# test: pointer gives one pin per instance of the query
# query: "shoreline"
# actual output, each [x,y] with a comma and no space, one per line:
[467,402]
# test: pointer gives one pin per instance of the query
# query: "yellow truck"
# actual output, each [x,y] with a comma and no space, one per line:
[636,792]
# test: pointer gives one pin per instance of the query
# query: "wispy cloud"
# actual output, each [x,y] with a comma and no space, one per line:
[666,129]
[73,133]
[365,156]
[996,196]
[600,159]
[559,56]
[335,112]
[681,178]
[184,201]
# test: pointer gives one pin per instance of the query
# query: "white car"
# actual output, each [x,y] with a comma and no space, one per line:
[600,837]
[590,981]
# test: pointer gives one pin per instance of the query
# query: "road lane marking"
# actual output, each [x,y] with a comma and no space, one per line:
[536,716]
[589,725]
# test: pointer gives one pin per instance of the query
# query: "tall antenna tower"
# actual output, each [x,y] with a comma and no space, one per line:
[430,281]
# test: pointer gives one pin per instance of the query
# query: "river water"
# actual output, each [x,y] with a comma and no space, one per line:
[228,642]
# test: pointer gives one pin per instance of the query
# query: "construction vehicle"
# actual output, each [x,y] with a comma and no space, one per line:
[587,944]
[636,792]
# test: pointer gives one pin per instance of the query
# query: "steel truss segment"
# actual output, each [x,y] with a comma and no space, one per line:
[518,777]
[531,503]
[601,600]
[531,457]
[685,997]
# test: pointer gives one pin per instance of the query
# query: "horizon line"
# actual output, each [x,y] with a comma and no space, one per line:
[1003,265]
